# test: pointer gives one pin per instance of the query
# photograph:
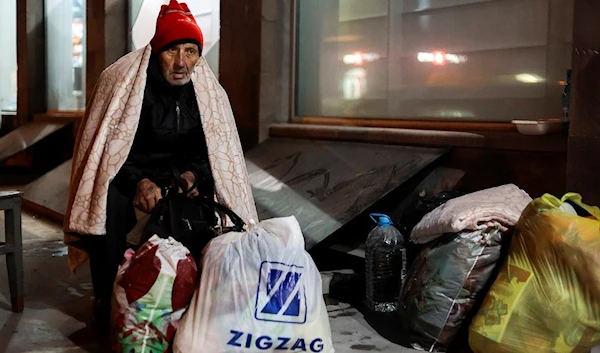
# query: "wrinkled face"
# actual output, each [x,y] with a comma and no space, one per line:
[177,63]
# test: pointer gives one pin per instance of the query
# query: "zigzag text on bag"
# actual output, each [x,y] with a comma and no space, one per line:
[267,342]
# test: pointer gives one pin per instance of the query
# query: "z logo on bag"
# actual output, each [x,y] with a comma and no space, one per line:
[281,295]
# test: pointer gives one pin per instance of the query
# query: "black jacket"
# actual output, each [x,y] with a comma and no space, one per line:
[169,133]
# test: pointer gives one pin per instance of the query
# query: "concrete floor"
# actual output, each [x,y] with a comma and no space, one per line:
[58,304]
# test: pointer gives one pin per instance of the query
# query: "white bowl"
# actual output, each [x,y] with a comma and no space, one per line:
[538,127]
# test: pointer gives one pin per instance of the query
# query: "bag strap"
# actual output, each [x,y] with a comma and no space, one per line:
[182,182]
[238,222]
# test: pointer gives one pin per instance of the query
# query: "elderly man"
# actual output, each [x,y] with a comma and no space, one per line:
[155,108]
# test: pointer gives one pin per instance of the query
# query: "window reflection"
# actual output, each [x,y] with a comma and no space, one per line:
[444,59]
[65,43]
[8,64]
[355,83]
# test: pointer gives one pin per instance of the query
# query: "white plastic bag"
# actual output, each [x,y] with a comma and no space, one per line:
[259,291]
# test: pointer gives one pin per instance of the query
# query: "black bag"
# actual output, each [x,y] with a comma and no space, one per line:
[191,221]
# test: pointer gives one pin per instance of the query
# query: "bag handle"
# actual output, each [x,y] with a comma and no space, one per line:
[182,183]
[237,220]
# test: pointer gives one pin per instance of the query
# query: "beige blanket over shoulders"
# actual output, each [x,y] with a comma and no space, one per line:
[106,135]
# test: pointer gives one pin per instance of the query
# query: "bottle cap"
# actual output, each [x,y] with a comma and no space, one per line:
[381,219]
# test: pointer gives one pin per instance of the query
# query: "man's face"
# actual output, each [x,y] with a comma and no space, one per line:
[177,63]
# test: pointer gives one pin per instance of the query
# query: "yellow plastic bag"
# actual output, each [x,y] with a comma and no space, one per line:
[546,297]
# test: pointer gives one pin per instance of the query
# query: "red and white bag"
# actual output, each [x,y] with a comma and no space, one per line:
[152,290]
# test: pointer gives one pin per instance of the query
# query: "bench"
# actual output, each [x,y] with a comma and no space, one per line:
[10,203]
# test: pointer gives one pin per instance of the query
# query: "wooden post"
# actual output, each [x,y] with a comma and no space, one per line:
[583,154]
[239,64]
[107,37]
[31,60]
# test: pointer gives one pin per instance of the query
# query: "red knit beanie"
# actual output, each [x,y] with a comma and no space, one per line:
[175,23]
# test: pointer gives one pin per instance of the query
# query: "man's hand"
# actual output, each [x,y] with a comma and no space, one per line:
[190,179]
[146,196]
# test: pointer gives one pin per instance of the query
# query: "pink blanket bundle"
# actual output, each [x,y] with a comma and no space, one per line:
[498,207]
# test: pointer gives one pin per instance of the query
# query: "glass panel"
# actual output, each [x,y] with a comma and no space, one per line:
[442,59]
[8,64]
[342,57]
[65,43]
[142,17]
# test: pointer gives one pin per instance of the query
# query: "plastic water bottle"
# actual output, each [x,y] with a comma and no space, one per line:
[385,266]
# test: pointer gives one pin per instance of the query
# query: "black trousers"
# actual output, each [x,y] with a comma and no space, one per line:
[106,252]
